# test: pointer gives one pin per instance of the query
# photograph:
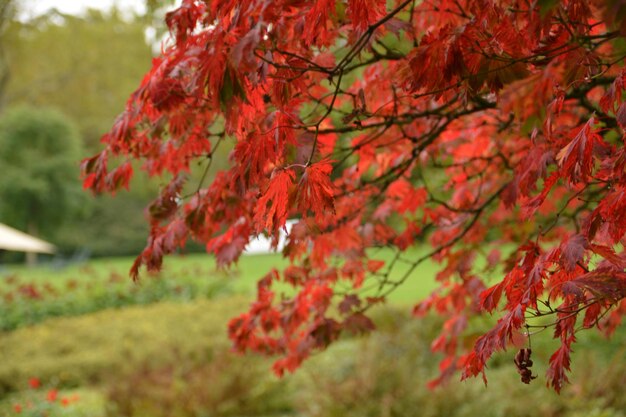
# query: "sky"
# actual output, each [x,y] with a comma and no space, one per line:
[32,8]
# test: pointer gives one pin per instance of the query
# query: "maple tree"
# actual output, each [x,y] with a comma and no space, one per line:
[490,129]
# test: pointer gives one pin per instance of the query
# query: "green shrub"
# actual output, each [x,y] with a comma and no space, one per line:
[173,359]
[221,385]
[382,374]
[89,349]
[385,374]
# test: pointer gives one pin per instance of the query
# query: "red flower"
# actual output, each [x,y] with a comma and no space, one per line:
[17,408]
[52,395]
[65,401]
[34,383]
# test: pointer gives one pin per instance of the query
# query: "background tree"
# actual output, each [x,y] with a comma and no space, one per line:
[98,59]
[7,12]
[39,190]
[85,66]
[493,129]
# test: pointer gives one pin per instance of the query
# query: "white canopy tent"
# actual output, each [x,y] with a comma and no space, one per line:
[262,245]
[14,240]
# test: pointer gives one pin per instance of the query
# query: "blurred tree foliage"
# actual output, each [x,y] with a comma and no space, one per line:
[39,150]
[86,67]
[7,12]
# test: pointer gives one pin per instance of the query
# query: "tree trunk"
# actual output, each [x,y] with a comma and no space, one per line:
[31,257]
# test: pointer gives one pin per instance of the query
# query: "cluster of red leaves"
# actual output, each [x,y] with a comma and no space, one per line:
[476,127]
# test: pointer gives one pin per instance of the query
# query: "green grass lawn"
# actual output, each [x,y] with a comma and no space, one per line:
[240,278]
[31,295]
[201,267]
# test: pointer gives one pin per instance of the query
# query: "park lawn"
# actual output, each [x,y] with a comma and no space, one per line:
[104,270]
[201,269]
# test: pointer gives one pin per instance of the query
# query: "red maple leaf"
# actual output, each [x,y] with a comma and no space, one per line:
[576,159]
[316,191]
[363,13]
[273,206]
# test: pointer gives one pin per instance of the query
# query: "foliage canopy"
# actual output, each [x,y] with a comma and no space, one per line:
[98,59]
[38,152]
[493,129]
[63,61]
